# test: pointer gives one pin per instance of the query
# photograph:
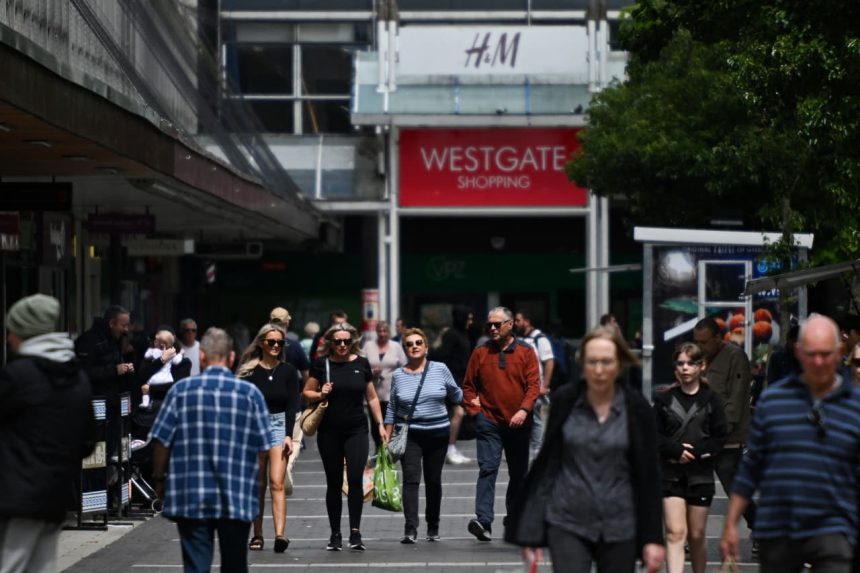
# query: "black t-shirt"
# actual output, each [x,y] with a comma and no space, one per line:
[346,401]
[282,392]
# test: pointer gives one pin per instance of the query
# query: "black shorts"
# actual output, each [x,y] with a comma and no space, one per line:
[699,495]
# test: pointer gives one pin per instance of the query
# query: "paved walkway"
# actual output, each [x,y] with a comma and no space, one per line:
[154,545]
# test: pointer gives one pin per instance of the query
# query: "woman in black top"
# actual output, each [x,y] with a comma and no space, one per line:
[261,364]
[691,429]
[593,493]
[344,378]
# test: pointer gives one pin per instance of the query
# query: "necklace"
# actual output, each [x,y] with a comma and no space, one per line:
[271,370]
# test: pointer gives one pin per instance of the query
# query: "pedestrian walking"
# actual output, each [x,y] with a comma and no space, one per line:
[802,460]
[210,432]
[190,344]
[691,429]
[540,343]
[384,356]
[420,393]
[46,427]
[294,355]
[454,351]
[593,493]
[729,374]
[344,378]
[278,381]
[501,385]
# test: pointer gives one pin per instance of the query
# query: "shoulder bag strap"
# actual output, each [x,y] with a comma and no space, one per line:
[418,392]
[327,370]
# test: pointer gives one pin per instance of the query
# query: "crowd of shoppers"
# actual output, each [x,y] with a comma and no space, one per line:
[616,480]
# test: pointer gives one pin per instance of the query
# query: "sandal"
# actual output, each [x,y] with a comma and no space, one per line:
[256,543]
[281,544]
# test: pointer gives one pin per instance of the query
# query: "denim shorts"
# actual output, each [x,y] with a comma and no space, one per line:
[278,428]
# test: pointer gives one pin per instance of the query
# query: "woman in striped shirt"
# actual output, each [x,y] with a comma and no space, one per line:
[428,429]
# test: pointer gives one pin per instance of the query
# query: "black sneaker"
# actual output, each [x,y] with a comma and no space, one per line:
[335,543]
[433,533]
[355,540]
[480,532]
[409,538]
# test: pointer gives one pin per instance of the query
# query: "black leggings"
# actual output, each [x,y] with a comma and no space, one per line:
[334,446]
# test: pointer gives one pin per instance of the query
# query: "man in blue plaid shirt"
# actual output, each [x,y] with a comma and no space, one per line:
[211,428]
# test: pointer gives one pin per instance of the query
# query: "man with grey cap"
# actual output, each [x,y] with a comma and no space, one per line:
[46,427]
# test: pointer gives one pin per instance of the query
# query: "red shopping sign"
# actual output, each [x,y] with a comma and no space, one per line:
[488,167]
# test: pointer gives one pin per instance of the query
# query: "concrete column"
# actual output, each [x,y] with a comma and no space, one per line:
[394,224]
[382,264]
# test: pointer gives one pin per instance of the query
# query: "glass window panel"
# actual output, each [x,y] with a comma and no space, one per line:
[724,282]
[275,116]
[334,32]
[258,32]
[260,68]
[325,116]
[316,5]
[326,70]
[461,5]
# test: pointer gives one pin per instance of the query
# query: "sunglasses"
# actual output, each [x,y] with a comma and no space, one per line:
[855,362]
[682,363]
[341,341]
[497,324]
[816,418]
[410,343]
[189,330]
[272,342]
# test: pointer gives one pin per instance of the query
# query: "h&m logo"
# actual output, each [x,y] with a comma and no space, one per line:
[493,51]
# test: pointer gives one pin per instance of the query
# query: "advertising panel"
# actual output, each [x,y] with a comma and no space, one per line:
[493,51]
[488,167]
[675,303]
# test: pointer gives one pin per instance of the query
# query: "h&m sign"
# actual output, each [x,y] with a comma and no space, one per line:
[493,51]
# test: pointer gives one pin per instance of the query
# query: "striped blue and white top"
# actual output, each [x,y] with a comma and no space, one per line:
[431,413]
[803,458]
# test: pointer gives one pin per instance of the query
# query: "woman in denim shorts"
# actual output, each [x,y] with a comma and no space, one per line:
[279,382]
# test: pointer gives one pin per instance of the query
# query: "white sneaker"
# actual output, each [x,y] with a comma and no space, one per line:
[456,458]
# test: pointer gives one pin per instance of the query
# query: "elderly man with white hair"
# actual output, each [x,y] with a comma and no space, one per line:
[803,458]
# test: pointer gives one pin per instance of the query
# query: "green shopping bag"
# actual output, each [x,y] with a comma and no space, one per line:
[386,483]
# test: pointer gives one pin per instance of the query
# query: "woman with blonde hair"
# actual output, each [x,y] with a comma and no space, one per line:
[261,365]
[344,378]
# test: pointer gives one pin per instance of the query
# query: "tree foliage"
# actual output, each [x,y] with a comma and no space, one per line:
[735,107]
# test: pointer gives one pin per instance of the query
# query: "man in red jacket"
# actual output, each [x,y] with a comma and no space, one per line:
[501,385]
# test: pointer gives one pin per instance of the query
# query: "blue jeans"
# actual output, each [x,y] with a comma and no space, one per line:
[196,538]
[492,439]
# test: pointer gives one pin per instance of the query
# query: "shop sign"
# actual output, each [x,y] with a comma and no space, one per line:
[488,167]
[56,239]
[120,223]
[493,51]
[159,247]
[10,224]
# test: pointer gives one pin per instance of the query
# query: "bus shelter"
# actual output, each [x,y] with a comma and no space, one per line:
[690,274]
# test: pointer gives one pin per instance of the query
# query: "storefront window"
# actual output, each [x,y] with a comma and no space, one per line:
[261,68]
[326,116]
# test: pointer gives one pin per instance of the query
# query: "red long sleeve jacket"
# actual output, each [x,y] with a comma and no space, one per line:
[504,380]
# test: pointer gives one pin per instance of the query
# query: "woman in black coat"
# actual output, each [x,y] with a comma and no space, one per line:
[593,494]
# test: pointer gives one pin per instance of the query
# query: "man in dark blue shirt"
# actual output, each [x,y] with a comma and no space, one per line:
[803,460]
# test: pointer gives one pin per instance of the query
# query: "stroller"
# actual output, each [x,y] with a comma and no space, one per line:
[141,463]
